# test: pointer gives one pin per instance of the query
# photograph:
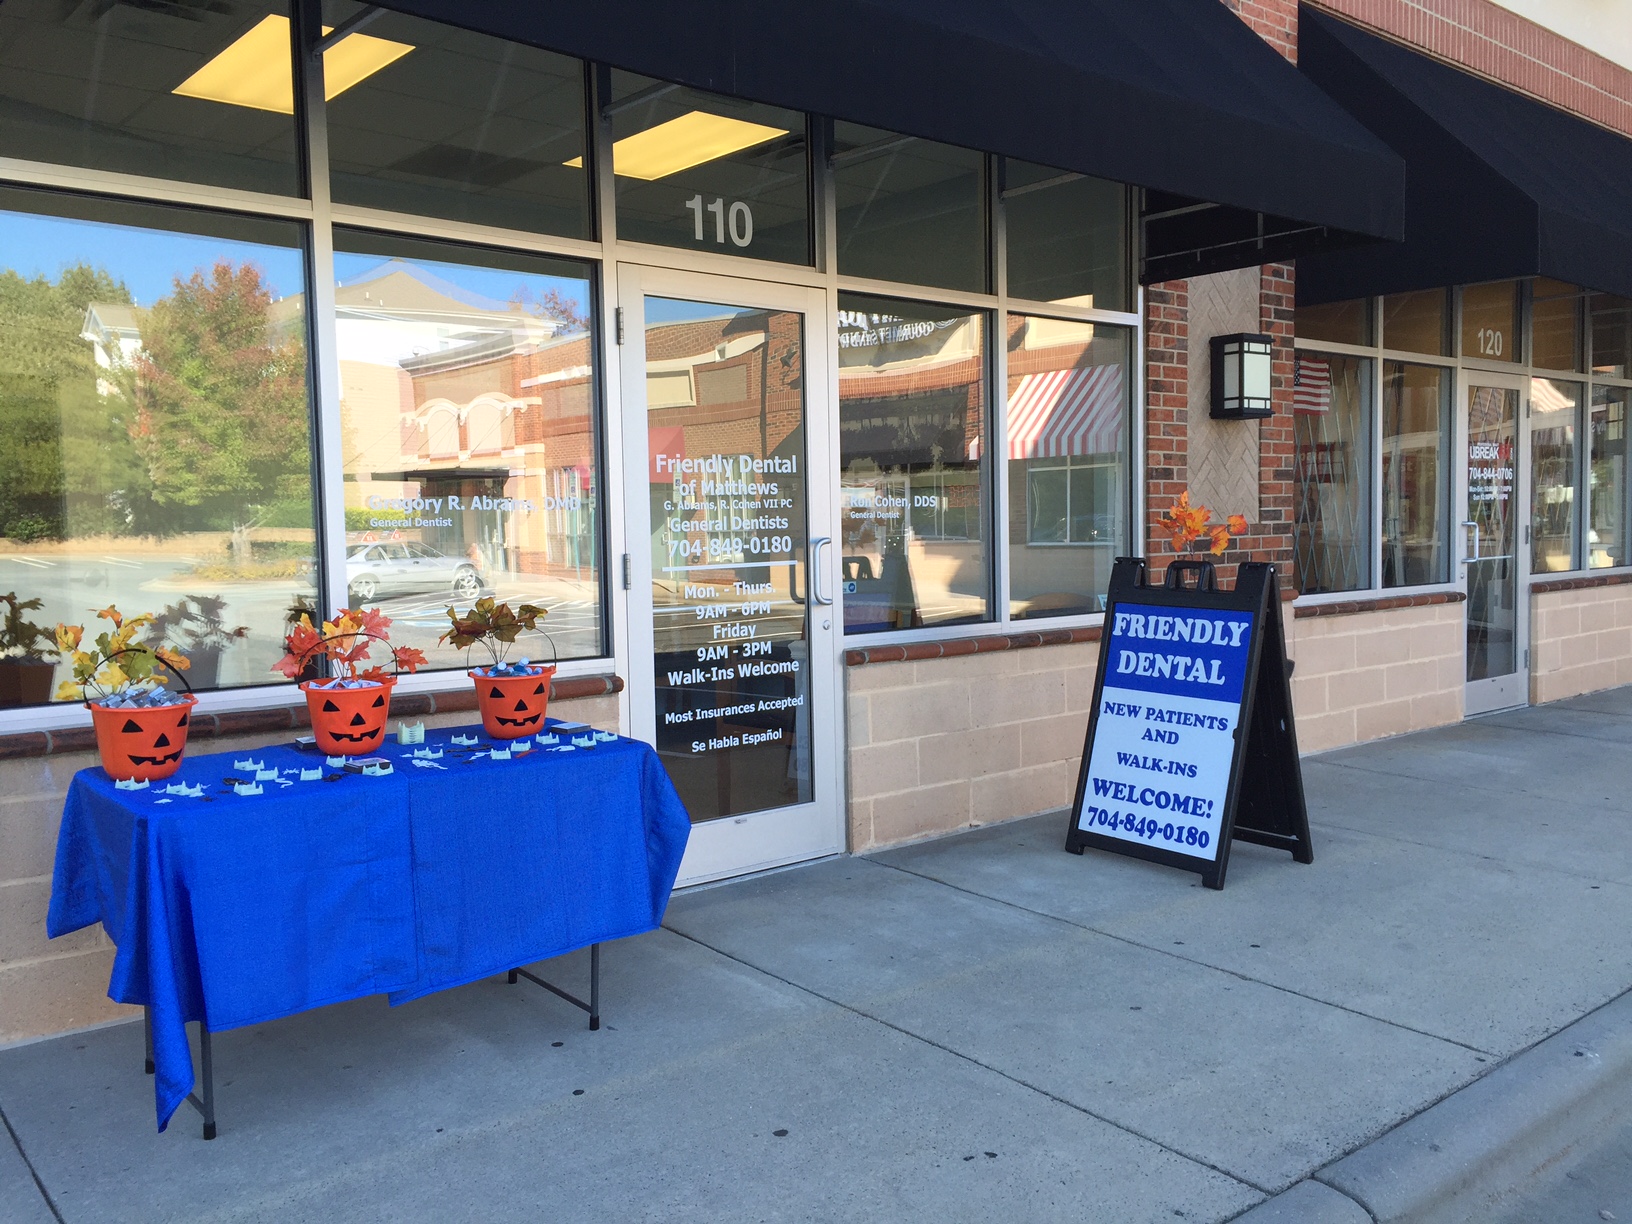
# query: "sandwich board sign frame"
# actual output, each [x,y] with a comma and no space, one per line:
[1191,743]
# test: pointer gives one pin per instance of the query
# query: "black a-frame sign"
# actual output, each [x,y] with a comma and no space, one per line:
[1191,742]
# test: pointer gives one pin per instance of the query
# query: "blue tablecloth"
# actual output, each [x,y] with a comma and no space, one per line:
[235,909]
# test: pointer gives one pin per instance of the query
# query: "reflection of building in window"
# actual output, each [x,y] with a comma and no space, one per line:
[479,408]
[911,425]
[1066,448]
[1332,429]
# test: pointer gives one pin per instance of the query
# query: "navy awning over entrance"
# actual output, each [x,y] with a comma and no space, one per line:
[1178,96]
[1498,185]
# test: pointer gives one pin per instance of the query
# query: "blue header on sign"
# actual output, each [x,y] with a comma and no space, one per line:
[1182,652]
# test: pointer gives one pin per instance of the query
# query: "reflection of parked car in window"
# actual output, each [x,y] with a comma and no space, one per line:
[397,567]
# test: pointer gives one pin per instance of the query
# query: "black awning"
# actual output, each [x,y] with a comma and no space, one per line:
[1174,95]
[1498,185]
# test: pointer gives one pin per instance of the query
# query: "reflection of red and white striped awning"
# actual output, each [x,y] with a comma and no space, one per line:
[1066,412]
[1312,385]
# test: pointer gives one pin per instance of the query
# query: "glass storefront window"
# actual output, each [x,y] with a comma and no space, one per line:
[1611,335]
[468,435]
[462,126]
[1490,322]
[155,448]
[1416,489]
[1555,325]
[1417,322]
[201,93]
[1332,429]
[1554,407]
[912,423]
[1067,397]
[909,210]
[709,173]
[1606,476]
[1335,322]
[1066,236]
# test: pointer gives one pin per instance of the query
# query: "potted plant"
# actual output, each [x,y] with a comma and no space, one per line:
[194,625]
[349,710]
[26,651]
[141,727]
[512,697]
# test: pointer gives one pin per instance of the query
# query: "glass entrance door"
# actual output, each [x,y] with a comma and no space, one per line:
[1494,563]
[731,626]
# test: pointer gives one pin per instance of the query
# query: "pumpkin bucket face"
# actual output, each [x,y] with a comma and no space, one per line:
[349,722]
[140,745]
[513,706]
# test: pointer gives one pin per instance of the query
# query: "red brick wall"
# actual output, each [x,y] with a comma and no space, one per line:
[1479,36]
[1274,21]
[1167,383]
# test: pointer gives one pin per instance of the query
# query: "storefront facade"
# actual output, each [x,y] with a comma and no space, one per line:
[816,434]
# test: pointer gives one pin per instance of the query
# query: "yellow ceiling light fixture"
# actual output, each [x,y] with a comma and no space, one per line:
[253,70]
[692,139]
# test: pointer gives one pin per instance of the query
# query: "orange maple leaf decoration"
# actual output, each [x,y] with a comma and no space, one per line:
[1186,524]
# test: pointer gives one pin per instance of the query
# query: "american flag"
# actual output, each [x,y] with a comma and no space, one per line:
[1312,385]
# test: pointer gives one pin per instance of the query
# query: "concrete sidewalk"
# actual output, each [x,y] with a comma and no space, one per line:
[982,1027]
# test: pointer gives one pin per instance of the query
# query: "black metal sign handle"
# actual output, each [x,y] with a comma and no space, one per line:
[1206,576]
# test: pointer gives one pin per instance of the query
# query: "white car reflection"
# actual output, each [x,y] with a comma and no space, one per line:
[399,567]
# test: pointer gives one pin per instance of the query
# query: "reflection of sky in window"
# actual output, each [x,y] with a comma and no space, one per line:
[496,285]
[146,260]
[672,310]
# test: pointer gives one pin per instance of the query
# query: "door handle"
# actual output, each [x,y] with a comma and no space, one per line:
[1474,555]
[815,582]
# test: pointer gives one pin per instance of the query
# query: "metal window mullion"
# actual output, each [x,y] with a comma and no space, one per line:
[997,418]
[327,434]
[1376,511]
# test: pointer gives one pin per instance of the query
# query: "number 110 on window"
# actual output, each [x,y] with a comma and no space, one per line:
[736,220]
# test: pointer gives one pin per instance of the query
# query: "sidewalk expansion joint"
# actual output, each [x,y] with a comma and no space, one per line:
[1234,973]
[1202,1161]
[50,1203]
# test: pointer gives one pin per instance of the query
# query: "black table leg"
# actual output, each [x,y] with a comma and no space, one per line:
[206,1105]
[147,1037]
[593,1007]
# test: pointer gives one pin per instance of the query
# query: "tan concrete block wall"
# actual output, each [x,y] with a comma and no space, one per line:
[1365,675]
[51,985]
[1580,641]
[943,744]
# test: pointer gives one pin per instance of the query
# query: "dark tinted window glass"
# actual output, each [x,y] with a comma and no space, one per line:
[1490,322]
[709,173]
[912,414]
[1067,237]
[194,91]
[1416,322]
[909,210]
[1555,326]
[458,125]
[1611,335]
[1335,322]
[155,447]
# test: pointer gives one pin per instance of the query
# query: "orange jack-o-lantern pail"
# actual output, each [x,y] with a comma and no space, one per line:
[142,744]
[513,706]
[349,721]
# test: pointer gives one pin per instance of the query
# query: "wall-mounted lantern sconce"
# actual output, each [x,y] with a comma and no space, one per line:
[1241,382]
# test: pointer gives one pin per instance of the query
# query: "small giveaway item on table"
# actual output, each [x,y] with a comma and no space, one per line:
[350,710]
[141,727]
[512,697]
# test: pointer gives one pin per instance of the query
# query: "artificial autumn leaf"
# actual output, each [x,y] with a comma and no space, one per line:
[68,636]
[1221,539]
[111,613]
[1238,524]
